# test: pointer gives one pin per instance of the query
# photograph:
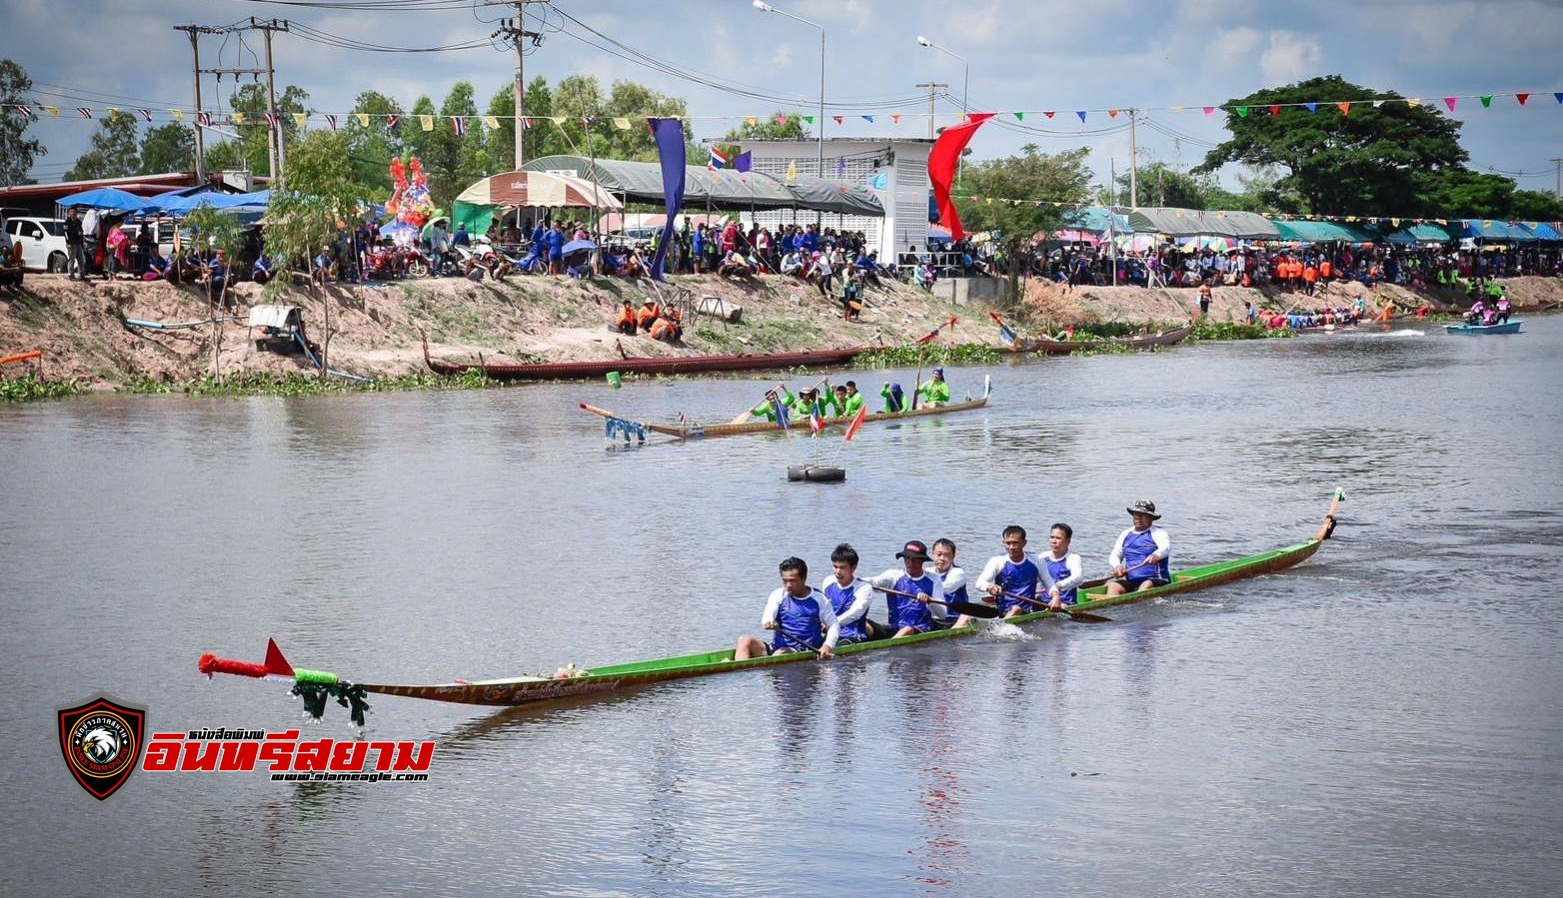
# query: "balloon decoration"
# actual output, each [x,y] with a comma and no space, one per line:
[410,207]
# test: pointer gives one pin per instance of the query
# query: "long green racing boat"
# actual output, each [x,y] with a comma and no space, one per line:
[317,686]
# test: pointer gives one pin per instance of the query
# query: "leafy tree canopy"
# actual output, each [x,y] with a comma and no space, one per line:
[114,152]
[17,150]
[167,148]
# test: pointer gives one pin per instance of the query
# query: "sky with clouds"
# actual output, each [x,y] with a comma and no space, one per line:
[1029,55]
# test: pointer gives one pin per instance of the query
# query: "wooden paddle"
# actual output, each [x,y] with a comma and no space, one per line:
[1102,581]
[971,609]
[797,637]
[1083,617]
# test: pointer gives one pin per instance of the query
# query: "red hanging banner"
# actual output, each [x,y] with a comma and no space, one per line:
[942,159]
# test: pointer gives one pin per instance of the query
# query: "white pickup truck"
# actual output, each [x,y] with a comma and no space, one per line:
[42,240]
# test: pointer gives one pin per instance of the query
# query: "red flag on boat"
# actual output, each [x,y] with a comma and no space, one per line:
[857,421]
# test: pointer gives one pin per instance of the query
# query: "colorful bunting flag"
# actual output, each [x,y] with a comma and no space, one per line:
[556,119]
[178,114]
[331,120]
[1242,112]
[780,120]
[1311,107]
[22,108]
[391,120]
[54,111]
[809,119]
[271,119]
[458,123]
[205,118]
[491,122]
[1413,102]
[1112,113]
[238,118]
[1486,101]
[1275,110]
[895,118]
[363,119]
[1559,97]
[1377,103]
[622,123]
[1210,110]
[1450,102]
[1344,107]
[1020,116]
[792,170]
[869,119]
[426,122]
[84,112]
[1081,113]
[838,119]
[717,159]
[301,119]
[145,113]
[1522,98]
[1177,109]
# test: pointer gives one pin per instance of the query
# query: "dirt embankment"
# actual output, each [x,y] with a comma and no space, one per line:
[377,328]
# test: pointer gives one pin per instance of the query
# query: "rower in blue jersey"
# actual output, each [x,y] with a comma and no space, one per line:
[1062,572]
[800,615]
[954,579]
[850,596]
[1012,578]
[908,589]
[1139,558]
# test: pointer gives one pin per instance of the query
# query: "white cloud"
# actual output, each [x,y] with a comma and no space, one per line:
[1291,57]
[781,57]
[1231,48]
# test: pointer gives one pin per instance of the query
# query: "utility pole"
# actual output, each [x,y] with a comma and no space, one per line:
[276,148]
[1557,189]
[515,29]
[200,142]
[1134,163]
[934,87]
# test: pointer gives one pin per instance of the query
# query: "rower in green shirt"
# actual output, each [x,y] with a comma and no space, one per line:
[781,396]
[936,391]
[848,400]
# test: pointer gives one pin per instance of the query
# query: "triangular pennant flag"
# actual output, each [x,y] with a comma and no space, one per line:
[331,120]
[1275,110]
[145,113]
[54,111]
[1050,113]
[1344,107]
[238,118]
[391,120]
[809,119]
[895,118]
[271,119]
[491,122]
[622,123]
[751,121]
[780,120]
[1311,107]
[300,119]
[1209,110]
[1413,102]
[1450,102]
[363,119]
[1395,222]
[426,122]
[1558,97]
[1486,101]
[178,114]
[1020,116]
[556,119]
[869,119]
[792,170]
[838,119]
[526,123]
[1242,112]
[113,113]
[1522,98]
[1377,103]
[1112,113]
[1081,113]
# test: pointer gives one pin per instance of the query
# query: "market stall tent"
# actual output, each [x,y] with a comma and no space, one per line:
[475,206]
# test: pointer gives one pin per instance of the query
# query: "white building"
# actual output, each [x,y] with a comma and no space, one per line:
[896,169]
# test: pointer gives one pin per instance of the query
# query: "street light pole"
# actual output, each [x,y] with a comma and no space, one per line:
[965,89]
[762,6]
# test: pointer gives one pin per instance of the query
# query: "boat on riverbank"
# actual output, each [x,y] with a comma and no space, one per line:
[569,682]
[686,364]
[1048,346]
[1508,327]
[691,431]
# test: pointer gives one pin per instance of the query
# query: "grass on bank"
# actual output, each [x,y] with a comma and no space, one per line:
[28,388]
[261,383]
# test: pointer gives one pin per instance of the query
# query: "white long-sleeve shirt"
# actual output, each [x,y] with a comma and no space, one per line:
[1075,577]
[1158,535]
[862,595]
[991,570]
[827,615]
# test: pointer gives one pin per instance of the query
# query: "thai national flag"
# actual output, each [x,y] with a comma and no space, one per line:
[717,160]
[816,420]
[458,123]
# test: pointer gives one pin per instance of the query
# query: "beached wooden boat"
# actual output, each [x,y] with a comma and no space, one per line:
[1064,347]
[572,683]
[691,431]
[1508,327]
[688,364]
[1534,307]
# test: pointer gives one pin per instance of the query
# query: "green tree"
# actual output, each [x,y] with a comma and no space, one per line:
[1534,205]
[17,150]
[317,191]
[114,153]
[500,143]
[370,147]
[226,155]
[1018,194]
[219,230]
[767,129]
[1162,185]
[250,102]
[1363,163]
[167,148]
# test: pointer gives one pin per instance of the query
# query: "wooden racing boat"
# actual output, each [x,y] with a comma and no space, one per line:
[1064,347]
[316,686]
[687,364]
[690,431]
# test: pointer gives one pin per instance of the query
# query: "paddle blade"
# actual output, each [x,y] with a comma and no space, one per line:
[857,423]
[1086,617]
[974,609]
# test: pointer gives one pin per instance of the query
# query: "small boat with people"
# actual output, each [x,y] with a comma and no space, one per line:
[1469,329]
[773,416]
[653,365]
[1089,598]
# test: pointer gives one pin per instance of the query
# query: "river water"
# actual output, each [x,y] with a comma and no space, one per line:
[1386,719]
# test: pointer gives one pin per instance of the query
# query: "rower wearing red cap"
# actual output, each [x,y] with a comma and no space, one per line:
[909,589]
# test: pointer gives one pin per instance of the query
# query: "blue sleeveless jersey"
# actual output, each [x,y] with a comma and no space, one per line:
[1059,570]
[798,624]
[841,598]
[957,595]
[1021,578]
[1136,548]
[910,612]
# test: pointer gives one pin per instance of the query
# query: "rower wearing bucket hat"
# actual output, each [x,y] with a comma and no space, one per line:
[908,589]
[1139,558]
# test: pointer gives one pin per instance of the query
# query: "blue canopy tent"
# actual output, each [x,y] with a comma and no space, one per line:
[1492,231]
[110,198]
[1097,219]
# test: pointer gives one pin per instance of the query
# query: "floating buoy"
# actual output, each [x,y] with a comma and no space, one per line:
[816,474]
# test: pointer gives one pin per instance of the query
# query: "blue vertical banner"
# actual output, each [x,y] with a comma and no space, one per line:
[669,134]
